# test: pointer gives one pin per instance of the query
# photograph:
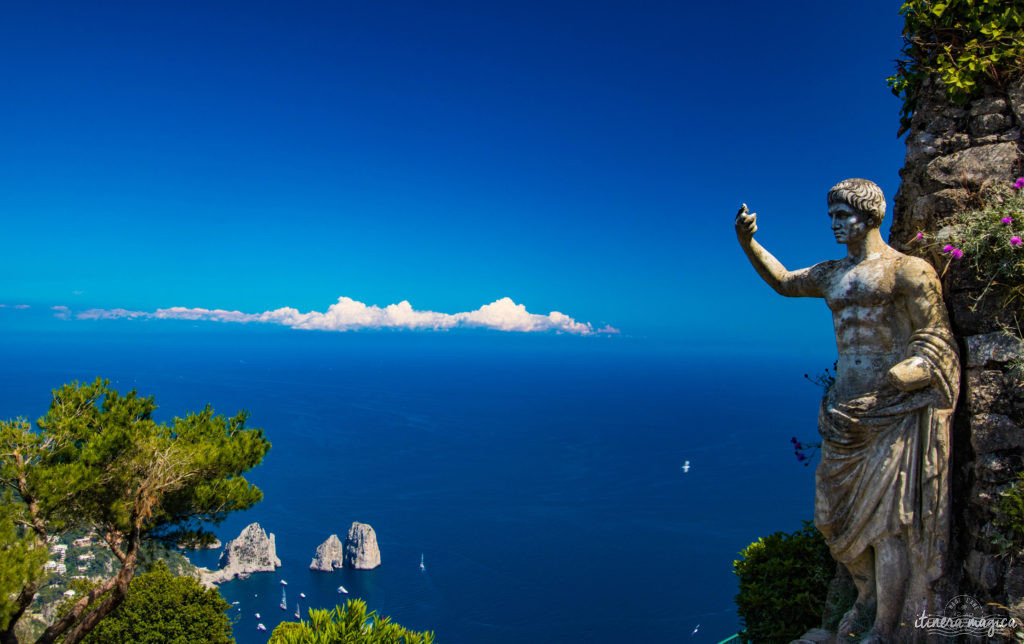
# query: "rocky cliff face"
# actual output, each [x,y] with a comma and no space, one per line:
[361,551]
[330,555]
[952,153]
[253,551]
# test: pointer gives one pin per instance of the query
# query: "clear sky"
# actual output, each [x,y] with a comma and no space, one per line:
[586,158]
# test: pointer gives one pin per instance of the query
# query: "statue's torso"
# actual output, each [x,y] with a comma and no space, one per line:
[871,323]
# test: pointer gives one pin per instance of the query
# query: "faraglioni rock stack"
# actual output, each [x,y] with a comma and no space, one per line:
[253,551]
[361,551]
[330,555]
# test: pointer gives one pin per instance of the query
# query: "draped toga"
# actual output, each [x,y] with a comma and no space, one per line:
[884,467]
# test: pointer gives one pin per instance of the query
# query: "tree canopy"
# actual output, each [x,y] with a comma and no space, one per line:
[98,460]
[161,608]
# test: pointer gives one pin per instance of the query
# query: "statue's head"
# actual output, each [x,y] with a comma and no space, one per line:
[863,197]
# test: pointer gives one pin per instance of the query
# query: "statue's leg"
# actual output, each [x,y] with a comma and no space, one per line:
[862,569]
[892,570]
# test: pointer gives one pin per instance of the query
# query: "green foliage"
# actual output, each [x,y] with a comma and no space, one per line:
[963,42]
[1009,521]
[98,461]
[110,464]
[22,556]
[348,625]
[783,582]
[161,608]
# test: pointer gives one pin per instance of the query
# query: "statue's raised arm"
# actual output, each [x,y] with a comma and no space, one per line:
[800,283]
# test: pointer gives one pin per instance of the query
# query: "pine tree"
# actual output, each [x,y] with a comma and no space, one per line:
[97,460]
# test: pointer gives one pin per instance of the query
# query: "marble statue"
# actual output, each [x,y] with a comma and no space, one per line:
[882,487]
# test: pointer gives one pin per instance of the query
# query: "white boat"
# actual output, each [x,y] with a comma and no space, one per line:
[342,591]
[422,567]
[284,583]
[234,603]
[257,615]
[302,595]
[298,613]
[261,627]
[284,600]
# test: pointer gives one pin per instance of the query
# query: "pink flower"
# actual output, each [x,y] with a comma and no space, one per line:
[1019,183]
[953,251]
[1016,241]
[1007,220]
[920,236]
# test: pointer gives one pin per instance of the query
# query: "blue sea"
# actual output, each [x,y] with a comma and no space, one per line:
[539,476]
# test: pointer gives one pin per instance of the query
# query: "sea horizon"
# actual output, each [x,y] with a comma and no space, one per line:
[539,476]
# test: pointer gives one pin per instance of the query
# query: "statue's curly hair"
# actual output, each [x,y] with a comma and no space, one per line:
[863,196]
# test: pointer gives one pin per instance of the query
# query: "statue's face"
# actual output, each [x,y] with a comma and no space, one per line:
[848,225]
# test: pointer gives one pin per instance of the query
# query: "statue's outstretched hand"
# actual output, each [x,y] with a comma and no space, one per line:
[746,224]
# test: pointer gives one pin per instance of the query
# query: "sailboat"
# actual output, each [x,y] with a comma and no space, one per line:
[422,567]
[298,614]
[284,600]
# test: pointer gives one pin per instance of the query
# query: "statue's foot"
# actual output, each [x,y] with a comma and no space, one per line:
[853,623]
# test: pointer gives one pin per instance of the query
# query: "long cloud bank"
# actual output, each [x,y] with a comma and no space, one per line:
[349,315]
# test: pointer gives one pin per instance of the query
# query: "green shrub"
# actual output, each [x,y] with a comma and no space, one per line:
[1009,521]
[966,43]
[989,239]
[161,608]
[783,583]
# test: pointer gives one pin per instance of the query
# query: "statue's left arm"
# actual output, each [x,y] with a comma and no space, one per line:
[919,286]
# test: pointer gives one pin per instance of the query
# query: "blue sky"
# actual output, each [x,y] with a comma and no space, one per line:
[586,158]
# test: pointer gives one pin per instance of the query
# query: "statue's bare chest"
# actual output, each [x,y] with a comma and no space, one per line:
[870,283]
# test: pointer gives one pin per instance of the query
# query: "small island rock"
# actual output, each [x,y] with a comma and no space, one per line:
[361,551]
[329,555]
[253,551]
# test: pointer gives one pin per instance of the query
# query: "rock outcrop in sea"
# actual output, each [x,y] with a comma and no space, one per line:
[330,555]
[253,551]
[361,551]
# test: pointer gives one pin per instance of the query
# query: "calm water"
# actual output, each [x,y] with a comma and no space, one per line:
[539,476]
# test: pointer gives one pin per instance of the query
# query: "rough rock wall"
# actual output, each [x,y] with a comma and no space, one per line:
[361,551]
[252,551]
[329,555]
[952,153]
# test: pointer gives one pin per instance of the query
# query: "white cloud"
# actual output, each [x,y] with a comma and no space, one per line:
[347,315]
[61,312]
[15,306]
